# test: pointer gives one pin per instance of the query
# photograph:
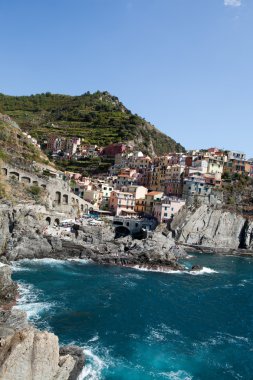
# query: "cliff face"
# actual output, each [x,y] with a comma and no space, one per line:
[21,232]
[8,289]
[214,228]
[31,354]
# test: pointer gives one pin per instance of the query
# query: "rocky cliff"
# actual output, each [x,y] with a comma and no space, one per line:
[23,236]
[212,227]
[8,289]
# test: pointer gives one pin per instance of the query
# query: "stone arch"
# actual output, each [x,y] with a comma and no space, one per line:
[4,171]
[73,201]
[57,221]
[25,179]
[86,209]
[36,183]
[48,220]
[121,231]
[14,175]
[77,201]
[65,199]
[58,197]
[82,207]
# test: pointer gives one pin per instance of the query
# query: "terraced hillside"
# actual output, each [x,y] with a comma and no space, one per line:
[98,118]
[15,147]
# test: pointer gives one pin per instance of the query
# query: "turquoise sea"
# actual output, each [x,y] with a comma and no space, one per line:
[140,325]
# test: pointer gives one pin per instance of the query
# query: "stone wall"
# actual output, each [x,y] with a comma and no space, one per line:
[60,197]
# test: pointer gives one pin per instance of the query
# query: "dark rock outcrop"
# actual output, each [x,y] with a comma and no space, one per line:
[8,289]
[214,228]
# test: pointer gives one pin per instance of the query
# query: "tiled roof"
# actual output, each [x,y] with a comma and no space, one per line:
[155,193]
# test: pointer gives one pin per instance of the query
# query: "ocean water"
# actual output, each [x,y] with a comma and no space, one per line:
[141,325]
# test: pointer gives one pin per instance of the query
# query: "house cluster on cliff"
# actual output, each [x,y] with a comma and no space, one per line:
[139,185]
[75,148]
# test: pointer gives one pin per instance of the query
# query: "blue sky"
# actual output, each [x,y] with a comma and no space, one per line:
[184,65]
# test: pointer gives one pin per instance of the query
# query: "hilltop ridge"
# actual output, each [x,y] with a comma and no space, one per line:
[97,118]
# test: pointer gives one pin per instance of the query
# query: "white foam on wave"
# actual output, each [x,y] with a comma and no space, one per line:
[28,301]
[94,366]
[223,338]
[33,310]
[20,265]
[161,333]
[17,266]
[2,265]
[177,375]
[158,271]
[204,270]
[94,339]
[81,261]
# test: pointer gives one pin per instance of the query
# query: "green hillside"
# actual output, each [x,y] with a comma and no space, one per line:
[98,118]
[15,147]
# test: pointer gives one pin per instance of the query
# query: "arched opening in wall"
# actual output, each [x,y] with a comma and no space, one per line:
[82,207]
[25,180]
[77,201]
[48,220]
[14,175]
[36,183]
[4,171]
[86,209]
[58,197]
[73,201]
[57,221]
[121,231]
[65,199]
[43,186]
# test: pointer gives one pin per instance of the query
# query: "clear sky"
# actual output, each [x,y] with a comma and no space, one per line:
[184,65]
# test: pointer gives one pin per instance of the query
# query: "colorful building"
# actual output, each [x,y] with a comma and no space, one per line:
[166,208]
[121,202]
[150,199]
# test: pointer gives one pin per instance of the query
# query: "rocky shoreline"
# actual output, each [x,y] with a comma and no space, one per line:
[35,354]
[26,352]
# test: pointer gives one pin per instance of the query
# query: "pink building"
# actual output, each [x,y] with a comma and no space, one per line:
[167,208]
[121,202]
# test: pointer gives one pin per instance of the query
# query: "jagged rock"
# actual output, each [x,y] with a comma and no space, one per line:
[13,319]
[8,289]
[33,355]
[78,354]
[209,227]
[249,236]
[196,267]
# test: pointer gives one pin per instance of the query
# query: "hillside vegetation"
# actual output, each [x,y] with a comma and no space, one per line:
[16,148]
[98,118]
